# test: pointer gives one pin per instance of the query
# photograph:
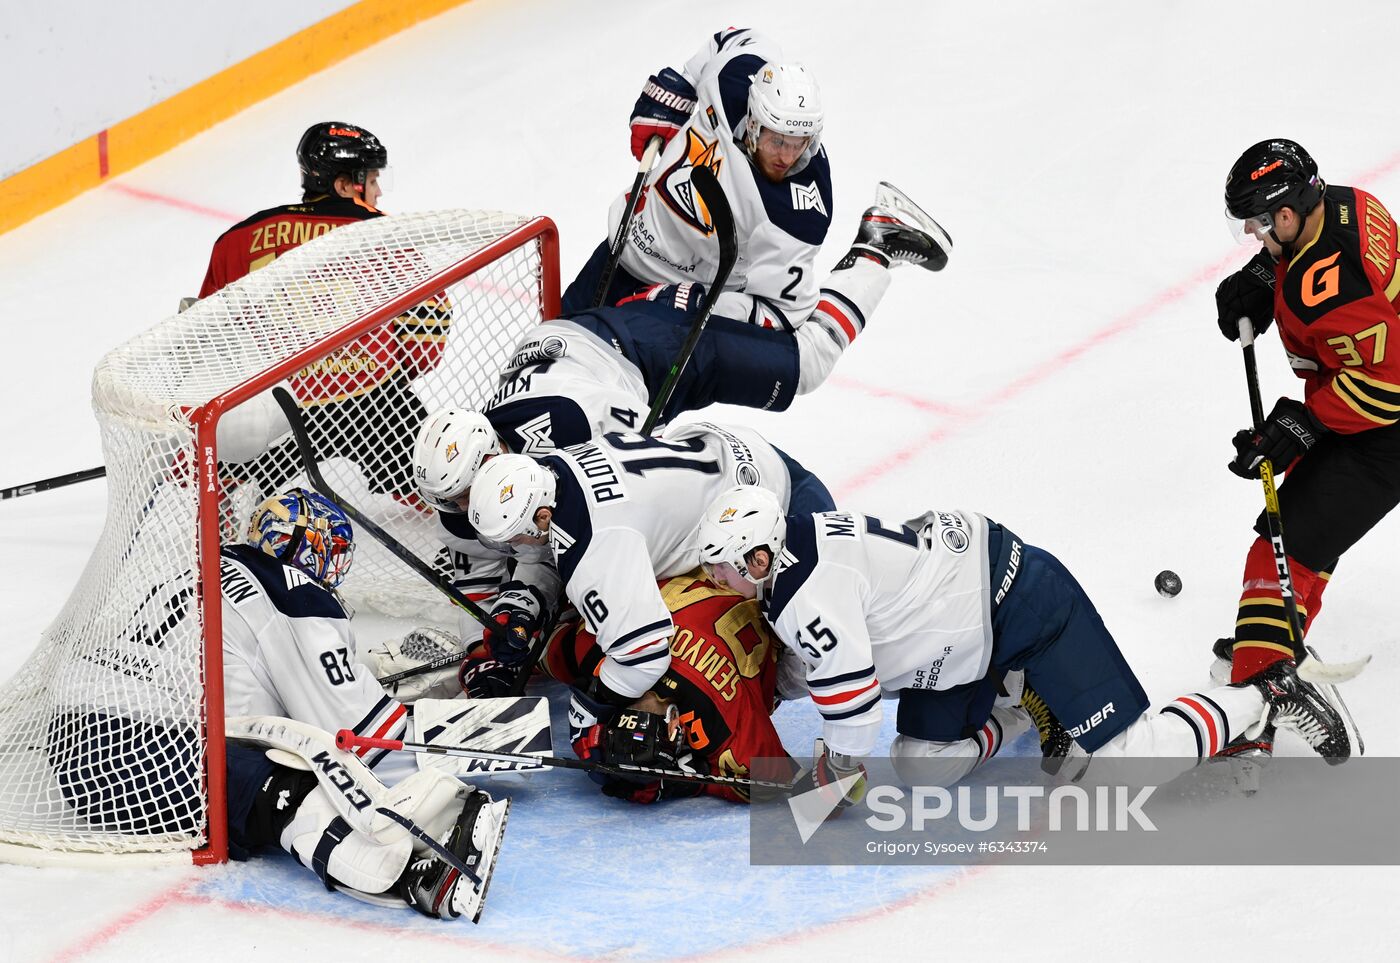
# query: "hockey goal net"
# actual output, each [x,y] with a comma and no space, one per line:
[111,733]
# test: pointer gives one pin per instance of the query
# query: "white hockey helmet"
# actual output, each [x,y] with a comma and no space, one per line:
[508,491]
[785,98]
[740,520]
[448,452]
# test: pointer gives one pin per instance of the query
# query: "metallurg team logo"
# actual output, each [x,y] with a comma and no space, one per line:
[507,493]
[676,190]
[451,453]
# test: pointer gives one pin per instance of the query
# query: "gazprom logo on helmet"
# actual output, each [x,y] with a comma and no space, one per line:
[1255,175]
[507,493]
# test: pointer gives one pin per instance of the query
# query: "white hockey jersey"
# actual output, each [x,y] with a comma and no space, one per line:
[625,516]
[289,651]
[780,227]
[564,386]
[872,606]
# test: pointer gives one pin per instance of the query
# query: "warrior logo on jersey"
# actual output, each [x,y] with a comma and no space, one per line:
[676,189]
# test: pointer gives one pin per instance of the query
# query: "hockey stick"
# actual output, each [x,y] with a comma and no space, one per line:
[58,481]
[346,739]
[398,549]
[722,219]
[1310,669]
[615,251]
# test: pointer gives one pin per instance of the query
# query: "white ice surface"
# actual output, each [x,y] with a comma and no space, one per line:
[1064,375]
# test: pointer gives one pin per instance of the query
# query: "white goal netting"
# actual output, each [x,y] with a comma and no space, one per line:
[371,327]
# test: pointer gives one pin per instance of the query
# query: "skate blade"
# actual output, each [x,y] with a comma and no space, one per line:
[489,868]
[889,196]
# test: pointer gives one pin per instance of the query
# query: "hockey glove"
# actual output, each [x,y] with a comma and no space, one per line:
[828,771]
[663,108]
[518,618]
[1248,293]
[590,710]
[486,678]
[1287,434]
[421,646]
[640,738]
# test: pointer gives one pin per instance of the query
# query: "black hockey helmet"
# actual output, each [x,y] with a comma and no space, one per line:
[1270,175]
[330,149]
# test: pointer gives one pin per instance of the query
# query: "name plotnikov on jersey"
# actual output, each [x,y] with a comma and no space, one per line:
[603,483]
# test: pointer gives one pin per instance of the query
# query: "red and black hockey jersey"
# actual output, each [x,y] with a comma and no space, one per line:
[411,345]
[722,677]
[1335,301]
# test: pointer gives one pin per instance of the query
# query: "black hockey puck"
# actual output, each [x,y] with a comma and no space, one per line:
[1168,584]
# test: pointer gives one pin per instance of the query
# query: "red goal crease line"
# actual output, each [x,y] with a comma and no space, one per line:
[125,145]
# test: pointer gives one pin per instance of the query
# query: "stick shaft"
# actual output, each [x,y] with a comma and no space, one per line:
[57,481]
[633,198]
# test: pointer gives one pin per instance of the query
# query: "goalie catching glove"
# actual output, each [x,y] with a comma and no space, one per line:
[419,647]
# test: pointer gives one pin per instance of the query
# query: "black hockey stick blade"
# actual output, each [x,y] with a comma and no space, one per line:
[58,481]
[400,551]
[722,220]
[615,250]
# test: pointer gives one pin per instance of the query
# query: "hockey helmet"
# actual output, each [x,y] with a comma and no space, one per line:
[785,99]
[330,149]
[505,496]
[306,530]
[449,450]
[740,520]
[1272,174]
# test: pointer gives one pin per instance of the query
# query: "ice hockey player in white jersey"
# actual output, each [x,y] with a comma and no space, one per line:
[756,122]
[937,611]
[289,652]
[618,513]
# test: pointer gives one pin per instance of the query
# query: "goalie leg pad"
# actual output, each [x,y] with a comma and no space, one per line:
[355,791]
[324,842]
[518,725]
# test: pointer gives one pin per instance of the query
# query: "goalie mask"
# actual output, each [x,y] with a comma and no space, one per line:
[505,496]
[785,116]
[736,523]
[307,530]
[450,449]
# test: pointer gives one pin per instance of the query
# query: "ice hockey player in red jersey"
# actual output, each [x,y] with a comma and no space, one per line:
[713,707]
[1328,273]
[360,401]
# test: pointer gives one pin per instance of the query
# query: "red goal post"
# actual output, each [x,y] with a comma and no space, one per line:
[111,734]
